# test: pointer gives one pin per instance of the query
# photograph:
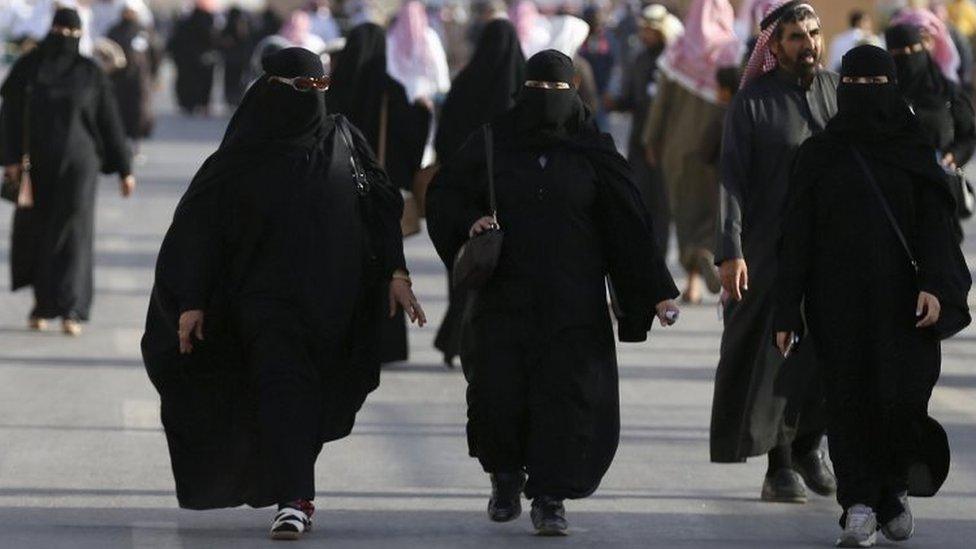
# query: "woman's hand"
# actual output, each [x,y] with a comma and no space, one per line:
[191,323]
[927,310]
[485,223]
[127,185]
[949,161]
[401,294]
[667,312]
[784,342]
[12,172]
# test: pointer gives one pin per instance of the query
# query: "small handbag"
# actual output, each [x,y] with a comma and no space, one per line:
[477,259]
[952,320]
[19,189]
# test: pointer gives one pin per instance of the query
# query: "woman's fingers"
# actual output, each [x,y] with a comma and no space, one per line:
[393,303]
[929,309]
[199,330]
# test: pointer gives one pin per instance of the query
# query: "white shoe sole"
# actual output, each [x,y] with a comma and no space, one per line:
[854,542]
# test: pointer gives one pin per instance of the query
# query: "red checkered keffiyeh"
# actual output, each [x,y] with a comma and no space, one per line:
[762,59]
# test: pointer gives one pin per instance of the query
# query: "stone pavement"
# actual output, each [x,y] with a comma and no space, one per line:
[83,461]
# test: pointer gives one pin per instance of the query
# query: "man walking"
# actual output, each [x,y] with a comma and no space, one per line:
[763,404]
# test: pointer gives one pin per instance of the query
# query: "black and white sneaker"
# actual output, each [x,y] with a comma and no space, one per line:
[290,524]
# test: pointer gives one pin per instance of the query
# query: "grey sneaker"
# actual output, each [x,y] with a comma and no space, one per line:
[861,528]
[902,527]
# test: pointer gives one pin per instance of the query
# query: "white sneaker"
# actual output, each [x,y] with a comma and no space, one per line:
[861,529]
[901,527]
[290,524]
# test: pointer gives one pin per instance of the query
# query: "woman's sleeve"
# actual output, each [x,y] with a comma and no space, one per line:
[191,254]
[12,118]
[797,244]
[387,203]
[964,121]
[456,198]
[639,276]
[117,157]
[942,269]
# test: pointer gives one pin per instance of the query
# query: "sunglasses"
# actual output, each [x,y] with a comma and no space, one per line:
[304,83]
[542,85]
[67,32]
[868,80]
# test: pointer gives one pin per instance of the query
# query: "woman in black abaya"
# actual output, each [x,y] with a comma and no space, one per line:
[73,124]
[193,46]
[485,88]
[271,284]
[538,347]
[134,83]
[377,104]
[870,312]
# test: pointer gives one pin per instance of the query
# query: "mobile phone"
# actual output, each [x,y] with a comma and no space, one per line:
[793,346]
[671,316]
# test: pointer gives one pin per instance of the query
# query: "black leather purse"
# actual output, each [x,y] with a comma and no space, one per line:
[477,260]
[953,319]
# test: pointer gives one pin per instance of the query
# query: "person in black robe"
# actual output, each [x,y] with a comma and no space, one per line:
[377,104]
[236,45]
[945,113]
[484,89]
[845,271]
[134,83]
[636,95]
[538,350]
[279,267]
[193,46]
[73,131]
[761,404]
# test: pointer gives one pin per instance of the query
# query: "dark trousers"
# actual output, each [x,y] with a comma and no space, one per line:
[286,389]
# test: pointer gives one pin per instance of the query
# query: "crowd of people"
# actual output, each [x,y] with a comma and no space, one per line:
[823,208]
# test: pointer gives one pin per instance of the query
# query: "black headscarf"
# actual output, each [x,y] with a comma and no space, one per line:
[485,88]
[59,53]
[876,118]
[544,117]
[359,79]
[919,79]
[274,112]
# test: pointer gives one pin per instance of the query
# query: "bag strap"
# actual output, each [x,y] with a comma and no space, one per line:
[25,156]
[490,161]
[873,183]
[384,129]
[358,174]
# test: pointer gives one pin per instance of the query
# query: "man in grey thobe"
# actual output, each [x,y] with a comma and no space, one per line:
[762,404]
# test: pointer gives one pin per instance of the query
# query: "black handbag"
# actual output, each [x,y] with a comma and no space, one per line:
[477,259]
[952,319]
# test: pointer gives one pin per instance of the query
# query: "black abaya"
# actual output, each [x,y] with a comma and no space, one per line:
[841,258]
[485,88]
[538,349]
[193,47]
[291,266]
[236,44]
[75,131]
[362,90]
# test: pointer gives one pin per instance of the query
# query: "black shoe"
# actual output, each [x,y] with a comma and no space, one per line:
[816,473]
[784,486]
[549,517]
[506,496]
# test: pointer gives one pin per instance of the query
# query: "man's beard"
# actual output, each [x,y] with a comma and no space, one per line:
[806,63]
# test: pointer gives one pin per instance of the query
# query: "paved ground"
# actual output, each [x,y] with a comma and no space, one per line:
[83,461]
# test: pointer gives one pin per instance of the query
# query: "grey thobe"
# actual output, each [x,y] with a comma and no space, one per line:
[759,397]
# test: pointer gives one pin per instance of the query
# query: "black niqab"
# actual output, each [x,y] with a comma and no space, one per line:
[919,79]
[485,88]
[548,110]
[275,112]
[876,118]
[58,52]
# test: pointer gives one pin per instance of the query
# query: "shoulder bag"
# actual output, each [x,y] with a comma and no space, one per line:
[952,319]
[477,260]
